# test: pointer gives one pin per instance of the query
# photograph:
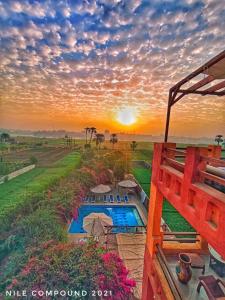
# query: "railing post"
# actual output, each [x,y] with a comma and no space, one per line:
[156,201]
[214,151]
[193,165]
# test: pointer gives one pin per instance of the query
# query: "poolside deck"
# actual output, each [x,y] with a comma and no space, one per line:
[131,249]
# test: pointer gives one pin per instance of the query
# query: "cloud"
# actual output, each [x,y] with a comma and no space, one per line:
[112,52]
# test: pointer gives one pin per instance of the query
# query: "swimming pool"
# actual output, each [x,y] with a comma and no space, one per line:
[121,216]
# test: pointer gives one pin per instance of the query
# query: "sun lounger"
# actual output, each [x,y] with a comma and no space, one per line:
[86,199]
[126,199]
[111,199]
[118,198]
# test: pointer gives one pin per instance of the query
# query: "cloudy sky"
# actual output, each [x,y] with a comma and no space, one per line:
[72,64]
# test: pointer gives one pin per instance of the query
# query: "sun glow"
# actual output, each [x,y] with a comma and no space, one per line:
[126,116]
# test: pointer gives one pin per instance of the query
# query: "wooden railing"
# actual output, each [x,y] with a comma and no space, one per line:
[197,191]
[211,172]
[182,237]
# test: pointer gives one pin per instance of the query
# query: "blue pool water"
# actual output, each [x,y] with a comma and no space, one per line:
[121,216]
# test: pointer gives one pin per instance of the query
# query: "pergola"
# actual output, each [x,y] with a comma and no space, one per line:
[213,83]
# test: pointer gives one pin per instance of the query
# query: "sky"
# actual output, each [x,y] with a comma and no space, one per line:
[107,63]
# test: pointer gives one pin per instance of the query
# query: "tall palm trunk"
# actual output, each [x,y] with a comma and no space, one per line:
[86,136]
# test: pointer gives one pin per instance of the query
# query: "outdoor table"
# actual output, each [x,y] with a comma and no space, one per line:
[216,262]
[196,261]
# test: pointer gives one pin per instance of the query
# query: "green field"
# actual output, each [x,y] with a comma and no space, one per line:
[18,190]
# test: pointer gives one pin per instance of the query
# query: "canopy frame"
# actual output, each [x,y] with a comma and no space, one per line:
[178,91]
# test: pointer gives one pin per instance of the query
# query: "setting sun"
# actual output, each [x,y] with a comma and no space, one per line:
[126,116]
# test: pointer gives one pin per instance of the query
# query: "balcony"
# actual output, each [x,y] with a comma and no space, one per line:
[192,180]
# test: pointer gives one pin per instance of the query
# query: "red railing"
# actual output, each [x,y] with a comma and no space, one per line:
[194,187]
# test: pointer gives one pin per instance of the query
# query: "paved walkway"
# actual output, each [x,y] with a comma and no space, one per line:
[131,249]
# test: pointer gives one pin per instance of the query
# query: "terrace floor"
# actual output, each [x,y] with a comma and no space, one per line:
[189,291]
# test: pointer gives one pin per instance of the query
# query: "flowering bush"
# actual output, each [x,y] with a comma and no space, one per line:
[116,278]
[65,266]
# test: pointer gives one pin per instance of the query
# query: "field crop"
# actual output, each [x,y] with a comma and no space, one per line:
[18,191]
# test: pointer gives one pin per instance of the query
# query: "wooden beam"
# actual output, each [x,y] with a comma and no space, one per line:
[201,93]
[170,99]
[201,83]
[200,70]
[196,86]
[216,87]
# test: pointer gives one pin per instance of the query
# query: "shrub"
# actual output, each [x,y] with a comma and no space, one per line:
[65,266]
[33,160]
[6,178]
[40,226]
[119,170]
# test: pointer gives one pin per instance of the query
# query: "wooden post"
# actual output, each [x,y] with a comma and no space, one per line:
[214,151]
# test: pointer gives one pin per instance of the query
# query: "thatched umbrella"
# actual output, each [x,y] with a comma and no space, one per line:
[94,223]
[127,184]
[101,189]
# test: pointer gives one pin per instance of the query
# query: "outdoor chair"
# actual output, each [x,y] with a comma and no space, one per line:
[118,198]
[126,199]
[111,199]
[86,199]
[105,199]
[212,287]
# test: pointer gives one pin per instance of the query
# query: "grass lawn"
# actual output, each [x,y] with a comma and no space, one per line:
[143,176]
[18,190]
[174,220]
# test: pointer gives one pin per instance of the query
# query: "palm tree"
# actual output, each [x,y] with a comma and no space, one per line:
[113,139]
[92,131]
[219,139]
[87,129]
[99,138]
[133,145]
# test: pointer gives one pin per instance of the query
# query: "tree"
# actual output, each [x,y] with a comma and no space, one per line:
[99,139]
[113,139]
[5,137]
[119,170]
[92,131]
[33,160]
[133,145]
[87,130]
[219,139]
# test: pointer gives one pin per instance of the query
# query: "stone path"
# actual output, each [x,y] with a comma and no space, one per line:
[131,249]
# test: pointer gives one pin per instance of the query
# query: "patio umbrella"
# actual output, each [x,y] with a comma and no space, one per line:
[101,189]
[94,223]
[127,184]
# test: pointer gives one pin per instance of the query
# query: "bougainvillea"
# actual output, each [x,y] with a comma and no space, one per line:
[65,265]
[116,277]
